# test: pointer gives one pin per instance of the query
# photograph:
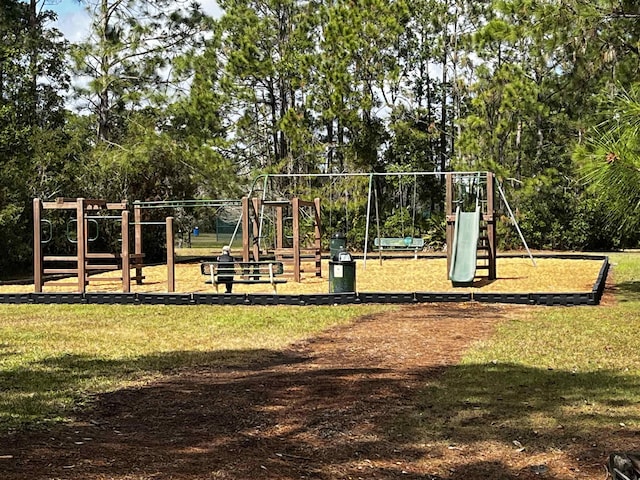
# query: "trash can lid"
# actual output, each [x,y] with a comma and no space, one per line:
[338,235]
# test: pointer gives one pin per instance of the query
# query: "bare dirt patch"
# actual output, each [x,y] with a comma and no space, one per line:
[326,408]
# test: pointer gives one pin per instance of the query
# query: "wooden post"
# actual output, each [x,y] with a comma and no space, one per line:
[171,259]
[256,203]
[37,245]
[137,242]
[295,205]
[491,225]
[279,231]
[125,254]
[81,244]
[318,237]
[245,229]
[450,218]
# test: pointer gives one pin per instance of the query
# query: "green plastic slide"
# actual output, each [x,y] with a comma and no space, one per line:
[465,247]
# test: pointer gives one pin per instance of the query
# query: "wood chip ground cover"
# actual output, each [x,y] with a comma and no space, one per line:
[515,275]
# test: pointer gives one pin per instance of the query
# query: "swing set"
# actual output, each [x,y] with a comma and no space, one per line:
[412,241]
[407,241]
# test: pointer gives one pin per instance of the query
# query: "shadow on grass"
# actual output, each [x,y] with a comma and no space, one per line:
[45,391]
[260,413]
[627,291]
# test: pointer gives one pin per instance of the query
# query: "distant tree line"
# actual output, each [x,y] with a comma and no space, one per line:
[161,102]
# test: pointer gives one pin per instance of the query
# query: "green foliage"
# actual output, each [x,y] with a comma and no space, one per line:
[32,143]
[131,43]
[435,235]
[610,160]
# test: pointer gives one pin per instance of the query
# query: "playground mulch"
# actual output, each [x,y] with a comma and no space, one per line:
[330,407]
[515,275]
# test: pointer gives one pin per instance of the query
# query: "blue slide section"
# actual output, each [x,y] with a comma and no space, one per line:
[465,247]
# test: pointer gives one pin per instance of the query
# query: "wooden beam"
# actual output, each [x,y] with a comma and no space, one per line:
[245,229]
[125,253]
[491,226]
[318,236]
[137,242]
[295,204]
[81,245]
[450,218]
[171,258]
[37,245]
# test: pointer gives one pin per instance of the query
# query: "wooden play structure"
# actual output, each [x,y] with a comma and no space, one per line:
[83,262]
[471,225]
[288,244]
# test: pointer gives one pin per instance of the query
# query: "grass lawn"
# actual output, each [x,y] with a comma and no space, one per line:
[549,377]
[52,357]
[549,374]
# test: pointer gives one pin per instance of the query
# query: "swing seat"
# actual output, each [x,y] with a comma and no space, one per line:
[404,243]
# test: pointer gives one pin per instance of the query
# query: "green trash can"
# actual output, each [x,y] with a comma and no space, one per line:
[338,241]
[342,273]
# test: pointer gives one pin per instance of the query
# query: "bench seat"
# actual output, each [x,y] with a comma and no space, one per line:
[244,273]
[406,243]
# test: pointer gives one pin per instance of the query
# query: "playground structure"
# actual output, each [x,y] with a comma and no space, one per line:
[288,244]
[83,262]
[471,226]
[275,226]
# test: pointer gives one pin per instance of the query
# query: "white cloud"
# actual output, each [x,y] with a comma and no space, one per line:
[74,21]
[74,24]
[211,7]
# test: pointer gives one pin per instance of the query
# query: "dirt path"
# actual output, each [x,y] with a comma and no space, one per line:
[320,410]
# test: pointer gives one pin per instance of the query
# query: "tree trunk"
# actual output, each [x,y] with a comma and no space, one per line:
[104,128]
[33,56]
[443,107]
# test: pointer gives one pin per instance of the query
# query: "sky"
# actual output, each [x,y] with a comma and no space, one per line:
[73,20]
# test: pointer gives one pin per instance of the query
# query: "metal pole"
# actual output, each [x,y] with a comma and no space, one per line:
[375,194]
[513,219]
[415,194]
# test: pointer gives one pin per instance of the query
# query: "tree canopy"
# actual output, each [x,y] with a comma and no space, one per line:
[161,101]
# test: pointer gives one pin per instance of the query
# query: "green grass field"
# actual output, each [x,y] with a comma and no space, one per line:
[545,368]
[52,357]
[547,375]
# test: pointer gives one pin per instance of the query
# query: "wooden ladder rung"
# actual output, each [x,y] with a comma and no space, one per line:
[102,255]
[62,284]
[60,258]
[50,271]
[102,267]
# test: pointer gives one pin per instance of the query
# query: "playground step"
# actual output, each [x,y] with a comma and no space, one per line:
[54,271]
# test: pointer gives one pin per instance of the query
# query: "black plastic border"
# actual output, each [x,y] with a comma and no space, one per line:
[117,298]
[443,297]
